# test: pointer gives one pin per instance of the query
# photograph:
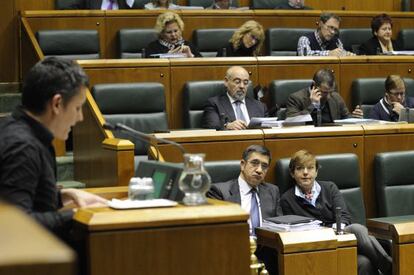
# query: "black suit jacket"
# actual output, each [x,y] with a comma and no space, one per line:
[268,194]
[370,47]
[218,111]
[96,4]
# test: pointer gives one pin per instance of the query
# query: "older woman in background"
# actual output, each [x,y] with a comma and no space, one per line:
[160,5]
[381,42]
[246,41]
[169,27]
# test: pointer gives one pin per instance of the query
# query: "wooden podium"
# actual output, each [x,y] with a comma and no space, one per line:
[26,248]
[401,231]
[312,252]
[208,240]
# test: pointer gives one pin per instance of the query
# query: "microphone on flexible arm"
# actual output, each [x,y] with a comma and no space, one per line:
[142,136]
[223,121]
[338,220]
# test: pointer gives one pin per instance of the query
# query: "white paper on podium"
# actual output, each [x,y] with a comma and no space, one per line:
[128,204]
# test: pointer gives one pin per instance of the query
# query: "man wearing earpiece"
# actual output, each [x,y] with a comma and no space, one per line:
[321,96]
[394,101]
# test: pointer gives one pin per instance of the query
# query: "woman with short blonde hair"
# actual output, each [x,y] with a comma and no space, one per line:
[246,40]
[160,5]
[169,27]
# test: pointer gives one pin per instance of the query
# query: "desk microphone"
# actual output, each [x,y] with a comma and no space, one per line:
[223,121]
[142,136]
[338,220]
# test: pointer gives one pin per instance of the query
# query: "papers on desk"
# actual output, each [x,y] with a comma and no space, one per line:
[291,223]
[128,204]
[264,122]
[400,53]
[357,121]
[169,55]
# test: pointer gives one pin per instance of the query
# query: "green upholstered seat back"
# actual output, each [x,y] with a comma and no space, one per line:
[140,106]
[224,170]
[132,41]
[280,90]
[209,41]
[69,44]
[284,41]
[352,38]
[394,183]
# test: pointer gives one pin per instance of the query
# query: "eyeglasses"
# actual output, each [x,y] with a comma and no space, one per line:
[256,163]
[326,91]
[254,37]
[331,28]
[397,93]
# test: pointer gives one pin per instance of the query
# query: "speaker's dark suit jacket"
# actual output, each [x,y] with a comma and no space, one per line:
[95,4]
[269,196]
[219,110]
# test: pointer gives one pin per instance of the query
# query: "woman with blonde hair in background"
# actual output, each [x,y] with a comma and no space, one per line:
[169,27]
[246,41]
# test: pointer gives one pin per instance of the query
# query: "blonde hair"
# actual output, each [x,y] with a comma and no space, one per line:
[253,28]
[166,18]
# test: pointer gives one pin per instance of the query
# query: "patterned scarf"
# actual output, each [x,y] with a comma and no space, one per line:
[169,45]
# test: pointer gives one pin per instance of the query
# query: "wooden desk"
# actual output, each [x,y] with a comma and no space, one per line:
[208,240]
[29,249]
[401,231]
[312,252]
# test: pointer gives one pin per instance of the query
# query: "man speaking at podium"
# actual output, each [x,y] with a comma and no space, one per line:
[52,98]
[258,198]
[233,110]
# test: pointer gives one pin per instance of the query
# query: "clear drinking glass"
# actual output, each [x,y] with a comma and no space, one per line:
[194,180]
[141,189]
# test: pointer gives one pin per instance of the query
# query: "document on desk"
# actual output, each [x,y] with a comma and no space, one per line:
[129,204]
[357,121]
[284,227]
[258,122]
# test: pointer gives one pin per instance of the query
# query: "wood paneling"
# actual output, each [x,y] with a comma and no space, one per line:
[208,240]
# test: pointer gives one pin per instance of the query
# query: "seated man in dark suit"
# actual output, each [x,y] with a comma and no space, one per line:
[319,199]
[102,4]
[394,101]
[233,110]
[258,198]
[320,96]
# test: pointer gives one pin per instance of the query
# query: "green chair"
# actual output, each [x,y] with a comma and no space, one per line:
[394,183]
[284,41]
[224,170]
[406,39]
[69,44]
[352,38]
[132,41]
[140,106]
[210,41]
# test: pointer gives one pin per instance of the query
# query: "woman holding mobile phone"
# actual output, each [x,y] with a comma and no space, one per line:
[170,40]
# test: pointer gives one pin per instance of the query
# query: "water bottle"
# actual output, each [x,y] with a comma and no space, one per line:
[141,189]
